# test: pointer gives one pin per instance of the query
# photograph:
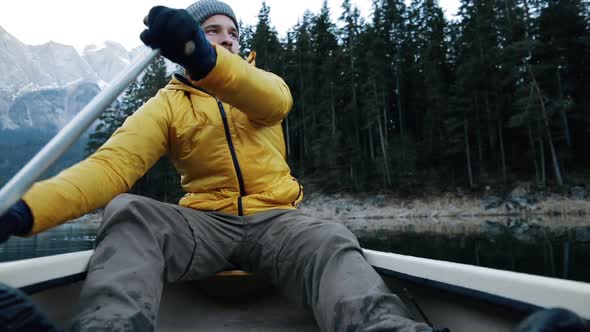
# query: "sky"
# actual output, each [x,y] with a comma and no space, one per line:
[84,22]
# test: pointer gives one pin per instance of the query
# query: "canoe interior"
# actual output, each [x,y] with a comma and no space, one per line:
[243,303]
[228,303]
[457,312]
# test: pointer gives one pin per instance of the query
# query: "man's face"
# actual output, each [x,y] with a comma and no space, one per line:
[221,30]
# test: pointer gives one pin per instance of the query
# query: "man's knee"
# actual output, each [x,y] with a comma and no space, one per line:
[328,236]
[125,209]
[124,204]
[339,235]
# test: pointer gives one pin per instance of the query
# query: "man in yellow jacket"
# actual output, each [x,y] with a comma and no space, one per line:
[221,125]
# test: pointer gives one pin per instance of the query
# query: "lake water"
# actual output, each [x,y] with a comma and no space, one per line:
[541,248]
[66,238]
[556,247]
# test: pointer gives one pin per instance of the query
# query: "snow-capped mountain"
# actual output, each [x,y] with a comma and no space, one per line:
[107,60]
[42,88]
[50,64]
[26,69]
[57,105]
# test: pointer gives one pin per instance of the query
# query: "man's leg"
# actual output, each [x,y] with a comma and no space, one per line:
[319,265]
[141,244]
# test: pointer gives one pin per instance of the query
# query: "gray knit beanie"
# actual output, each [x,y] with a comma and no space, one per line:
[203,9]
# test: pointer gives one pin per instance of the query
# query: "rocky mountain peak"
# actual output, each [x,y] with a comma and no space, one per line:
[36,79]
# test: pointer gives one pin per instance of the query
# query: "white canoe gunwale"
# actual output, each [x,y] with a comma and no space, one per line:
[521,307]
[504,297]
[35,275]
[518,291]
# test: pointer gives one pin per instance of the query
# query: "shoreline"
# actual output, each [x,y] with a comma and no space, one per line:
[445,206]
[447,213]
[435,213]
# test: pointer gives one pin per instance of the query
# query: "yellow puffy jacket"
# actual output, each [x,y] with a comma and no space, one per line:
[226,143]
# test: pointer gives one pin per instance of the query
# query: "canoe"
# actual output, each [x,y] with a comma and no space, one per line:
[457,296]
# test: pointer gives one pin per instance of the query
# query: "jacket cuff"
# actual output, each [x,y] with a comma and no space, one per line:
[23,217]
[204,63]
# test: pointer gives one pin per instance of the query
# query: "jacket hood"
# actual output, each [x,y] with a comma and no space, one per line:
[183,83]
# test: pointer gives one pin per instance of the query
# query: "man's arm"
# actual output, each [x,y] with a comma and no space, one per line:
[130,152]
[263,96]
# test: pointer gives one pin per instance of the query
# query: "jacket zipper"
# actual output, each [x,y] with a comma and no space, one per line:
[234,157]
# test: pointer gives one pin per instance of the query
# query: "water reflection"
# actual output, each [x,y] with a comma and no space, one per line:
[551,248]
[66,238]
[555,247]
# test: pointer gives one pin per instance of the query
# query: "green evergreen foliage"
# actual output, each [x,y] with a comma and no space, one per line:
[265,41]
[421,100]
[246,33]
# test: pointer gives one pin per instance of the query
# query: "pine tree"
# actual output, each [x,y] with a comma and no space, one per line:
[323,109]
[299,81]
[561,59]
[265,42]
[430,77]
[350,55]
[246,33]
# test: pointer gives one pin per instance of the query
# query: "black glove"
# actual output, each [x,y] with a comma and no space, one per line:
[19,313]
[180,38]
[18,220]
[553,320]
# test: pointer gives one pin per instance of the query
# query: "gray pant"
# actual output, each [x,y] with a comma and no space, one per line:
[317,264]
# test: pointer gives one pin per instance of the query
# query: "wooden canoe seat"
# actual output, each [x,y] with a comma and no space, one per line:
[233,273]
[233,283]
